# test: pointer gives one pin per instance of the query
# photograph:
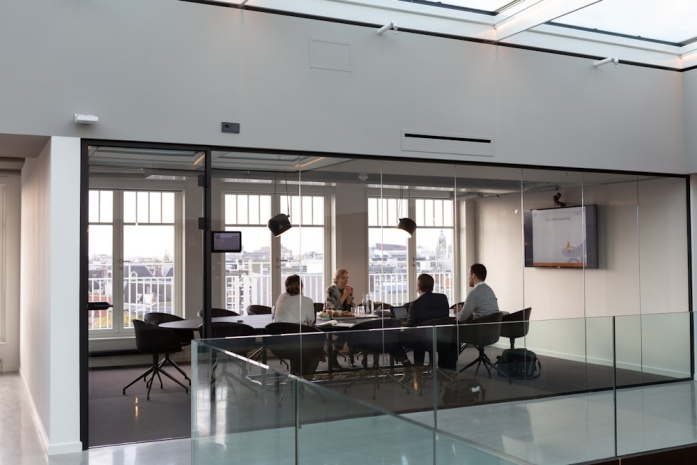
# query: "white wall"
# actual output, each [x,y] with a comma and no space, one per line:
[641,279]
[49,302]
[137,65]
[689,99]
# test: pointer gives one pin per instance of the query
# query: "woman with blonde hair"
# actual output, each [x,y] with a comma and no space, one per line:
[340,294]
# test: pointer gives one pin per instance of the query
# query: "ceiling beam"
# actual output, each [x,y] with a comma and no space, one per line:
[538,12]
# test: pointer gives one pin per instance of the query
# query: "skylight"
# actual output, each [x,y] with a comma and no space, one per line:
[668,21]
[661,33]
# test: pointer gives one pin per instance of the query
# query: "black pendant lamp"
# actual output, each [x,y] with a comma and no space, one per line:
[279,224]
[407,225]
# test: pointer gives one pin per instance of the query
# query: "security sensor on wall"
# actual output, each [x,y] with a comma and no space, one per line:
[86,119]
[605,61]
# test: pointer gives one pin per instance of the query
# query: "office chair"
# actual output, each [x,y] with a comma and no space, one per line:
[238,340]
[301,345]
[258,310]
[185,335]
[319,307]
[480,333]
[446,346]
[515,325]
[151,339]
[216,312]
[376,337]
[446,335]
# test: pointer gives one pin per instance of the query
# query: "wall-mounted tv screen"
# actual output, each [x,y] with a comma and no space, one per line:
[565,237]
[227,241]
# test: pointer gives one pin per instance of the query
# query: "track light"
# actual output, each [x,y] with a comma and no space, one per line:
[407,225]
[391,25]
[605,61]
[279,224]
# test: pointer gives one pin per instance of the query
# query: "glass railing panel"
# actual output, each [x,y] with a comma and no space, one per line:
[654,348]
[280,418]
[654,345]
[566,397]
[538,383]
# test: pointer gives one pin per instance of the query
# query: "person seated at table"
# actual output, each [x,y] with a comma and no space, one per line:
[481,300]
[292,306]
[427,306]
[339,296]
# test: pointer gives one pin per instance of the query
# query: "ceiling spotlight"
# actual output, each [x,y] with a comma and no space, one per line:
[363,176]
[86,119]
[407,225]
[279,224]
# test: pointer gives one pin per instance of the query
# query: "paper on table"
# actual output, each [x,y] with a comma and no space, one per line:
[327,323]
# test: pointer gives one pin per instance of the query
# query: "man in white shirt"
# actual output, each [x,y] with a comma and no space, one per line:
[481,299]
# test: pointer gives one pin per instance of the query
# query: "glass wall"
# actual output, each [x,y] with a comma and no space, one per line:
[575,247]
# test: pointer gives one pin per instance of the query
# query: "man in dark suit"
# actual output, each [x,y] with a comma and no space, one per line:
[427,306]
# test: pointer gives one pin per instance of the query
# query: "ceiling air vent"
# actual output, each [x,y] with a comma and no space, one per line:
[447,143]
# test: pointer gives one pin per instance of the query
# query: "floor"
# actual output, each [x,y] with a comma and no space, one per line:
[560,430]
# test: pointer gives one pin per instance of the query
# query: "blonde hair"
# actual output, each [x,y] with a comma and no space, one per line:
[339,273]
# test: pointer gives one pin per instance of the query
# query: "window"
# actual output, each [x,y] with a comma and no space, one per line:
[132,256]
[434,243]
[249,275]
[302,247]
[431,248]
[388,251]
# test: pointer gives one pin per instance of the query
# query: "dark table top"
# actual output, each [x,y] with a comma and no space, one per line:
[255,321]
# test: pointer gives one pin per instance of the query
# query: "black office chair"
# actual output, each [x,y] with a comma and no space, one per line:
[446,335]
[303,351]
[376,337]
[185,335]
[301,345]
[382,306]
[258,310]
[151,339]
[515,325]
[216,312]
[480,333]
[238,340]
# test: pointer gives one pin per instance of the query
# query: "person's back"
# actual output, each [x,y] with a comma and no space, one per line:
[294,309]
[427,306]
[292,306]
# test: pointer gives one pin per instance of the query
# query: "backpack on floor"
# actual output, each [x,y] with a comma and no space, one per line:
[519,364]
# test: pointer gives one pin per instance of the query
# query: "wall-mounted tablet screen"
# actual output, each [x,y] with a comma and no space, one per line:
[227,241]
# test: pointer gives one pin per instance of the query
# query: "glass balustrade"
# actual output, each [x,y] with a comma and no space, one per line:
[592,390]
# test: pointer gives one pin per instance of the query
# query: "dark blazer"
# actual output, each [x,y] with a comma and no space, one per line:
[427,307]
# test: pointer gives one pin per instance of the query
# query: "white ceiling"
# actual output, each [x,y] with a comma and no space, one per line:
[659,33]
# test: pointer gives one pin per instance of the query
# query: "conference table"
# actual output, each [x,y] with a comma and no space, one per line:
[259,322]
